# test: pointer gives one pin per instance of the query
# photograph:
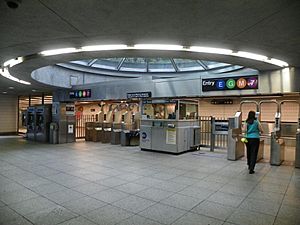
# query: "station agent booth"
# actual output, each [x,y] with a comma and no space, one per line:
[169,125]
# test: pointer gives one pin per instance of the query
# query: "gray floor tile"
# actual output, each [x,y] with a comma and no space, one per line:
[236,190]
[48,188]
[17,196]
[246,217]
[170,186]
[184,180]
[266,207]
[109,195]
[64,196]
[113,182]
[214,210]
[291,201]
[34,182]
[290,213]
[148,181]
[154,194]
[18,221]
[266,187]
[215,186]
[197,192]
[162,213]
[78,221]
[9,187]
[32,205]
[182,201]
[51,216]
[83,205]
[131,188]
[7,215]
[129,176]
[134,204]
[196,219]
[266,196]
[226,199]
[138,220]
[89,188]
[108,215]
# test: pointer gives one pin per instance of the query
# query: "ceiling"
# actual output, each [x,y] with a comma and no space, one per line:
[264,27]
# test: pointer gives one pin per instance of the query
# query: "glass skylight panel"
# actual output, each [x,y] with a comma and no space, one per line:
[84,62]
[107,63]
[160,65]
[187,65]
[214,65]
[134,65]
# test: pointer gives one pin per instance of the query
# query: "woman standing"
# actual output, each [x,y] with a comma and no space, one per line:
[252,130]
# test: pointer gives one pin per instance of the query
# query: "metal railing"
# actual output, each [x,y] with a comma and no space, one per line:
[80,124]
[210,136]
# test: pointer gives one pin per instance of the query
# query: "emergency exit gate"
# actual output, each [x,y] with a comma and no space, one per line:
[80,124]
[213,132]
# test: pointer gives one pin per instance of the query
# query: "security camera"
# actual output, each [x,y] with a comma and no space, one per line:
[13,4]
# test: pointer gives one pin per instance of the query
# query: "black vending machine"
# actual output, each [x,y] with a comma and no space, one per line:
[31,123]
[43,120]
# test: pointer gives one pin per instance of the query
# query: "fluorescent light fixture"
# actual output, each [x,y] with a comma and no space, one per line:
[103,47]
[250,55]
[210,50]
[59,51]
[277,62]
[11,88]
[4,92]
[5,73]
[13,62]
[158,47]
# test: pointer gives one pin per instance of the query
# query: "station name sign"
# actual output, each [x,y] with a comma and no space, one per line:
[230,83]
[86,93]
[147,94]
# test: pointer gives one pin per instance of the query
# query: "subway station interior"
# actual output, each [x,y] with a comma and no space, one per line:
[134,112]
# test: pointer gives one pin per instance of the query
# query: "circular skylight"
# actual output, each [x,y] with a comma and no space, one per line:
[154,65]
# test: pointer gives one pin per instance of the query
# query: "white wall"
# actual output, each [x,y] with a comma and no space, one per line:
[8,113]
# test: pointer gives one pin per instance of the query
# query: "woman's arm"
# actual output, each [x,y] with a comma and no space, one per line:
[260,127]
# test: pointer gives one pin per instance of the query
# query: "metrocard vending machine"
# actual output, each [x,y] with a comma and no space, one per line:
[30,123]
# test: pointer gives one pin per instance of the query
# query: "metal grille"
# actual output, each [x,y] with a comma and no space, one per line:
[220,139]
[208,137]
[80,124]
[205,131]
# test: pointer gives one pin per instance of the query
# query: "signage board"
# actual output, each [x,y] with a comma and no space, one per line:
[146,94]
[86,93]
[70,109]
[230,83]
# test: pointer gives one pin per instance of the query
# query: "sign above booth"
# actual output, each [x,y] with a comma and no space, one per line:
[147,94]
[87,93]
[230,83]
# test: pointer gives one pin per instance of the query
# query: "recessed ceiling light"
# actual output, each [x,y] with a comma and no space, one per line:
[103,47]
[59,51]
[5,73]
[11,88]
[158,47]
[4,92]
[33,90]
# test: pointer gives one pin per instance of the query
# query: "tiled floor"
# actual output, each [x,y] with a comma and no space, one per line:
[94,183]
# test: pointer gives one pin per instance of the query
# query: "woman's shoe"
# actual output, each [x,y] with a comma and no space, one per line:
[251,171]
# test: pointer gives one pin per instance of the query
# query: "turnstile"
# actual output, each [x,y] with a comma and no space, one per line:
[277,150]
[116,134]
[89,129]
[297,153]
[235,146]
